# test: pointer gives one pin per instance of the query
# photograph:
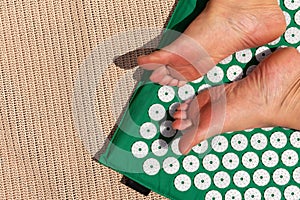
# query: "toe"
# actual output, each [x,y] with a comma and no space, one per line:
[154,60]
[159,74]
[180,115]
[165,80]
[182,124]
[186,142]
[183,106]
[181,83]
[174,82]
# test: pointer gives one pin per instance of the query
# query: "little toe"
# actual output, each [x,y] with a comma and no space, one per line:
[181,83]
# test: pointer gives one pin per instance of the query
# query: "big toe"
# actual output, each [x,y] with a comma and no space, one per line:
[154,60]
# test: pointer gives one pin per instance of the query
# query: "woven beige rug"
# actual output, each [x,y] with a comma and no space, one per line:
[42,46]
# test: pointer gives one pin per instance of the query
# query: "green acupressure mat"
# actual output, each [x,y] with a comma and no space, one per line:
[251,164]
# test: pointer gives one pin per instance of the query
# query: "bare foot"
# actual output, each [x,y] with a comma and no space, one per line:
[223,28]
[269,96]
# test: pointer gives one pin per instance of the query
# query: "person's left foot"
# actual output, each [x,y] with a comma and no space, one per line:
[269,96]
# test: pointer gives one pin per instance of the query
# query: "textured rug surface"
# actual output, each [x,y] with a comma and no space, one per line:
[42,46]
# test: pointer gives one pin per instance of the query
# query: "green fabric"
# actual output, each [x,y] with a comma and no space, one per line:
[265,179]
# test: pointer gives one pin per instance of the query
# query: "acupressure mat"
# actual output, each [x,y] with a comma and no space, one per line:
[251,164]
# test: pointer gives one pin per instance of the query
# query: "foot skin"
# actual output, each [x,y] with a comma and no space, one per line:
[269,96]
[223,28]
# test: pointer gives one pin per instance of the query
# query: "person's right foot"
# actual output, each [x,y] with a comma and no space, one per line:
[224,27]
[269,96]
